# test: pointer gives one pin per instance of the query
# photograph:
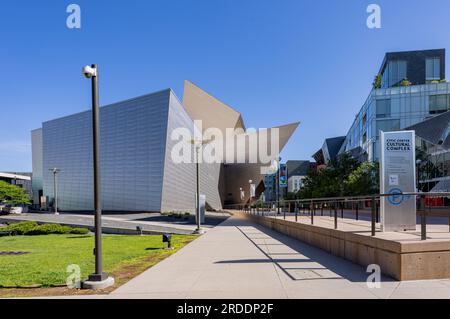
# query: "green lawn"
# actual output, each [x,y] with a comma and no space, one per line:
[49,256]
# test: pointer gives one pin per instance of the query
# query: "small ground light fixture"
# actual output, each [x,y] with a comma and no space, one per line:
[167,238]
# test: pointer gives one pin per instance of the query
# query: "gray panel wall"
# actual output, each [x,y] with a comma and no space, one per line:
[179,179]
[209,184]
[37,164]
[133,137]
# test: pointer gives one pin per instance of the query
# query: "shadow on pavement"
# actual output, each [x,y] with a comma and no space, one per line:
[305,262]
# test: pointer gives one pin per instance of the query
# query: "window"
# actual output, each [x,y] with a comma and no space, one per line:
[364,138]
[394,73]
[439,103]
[387,126]
[364,120]
[383,108]
[433,69]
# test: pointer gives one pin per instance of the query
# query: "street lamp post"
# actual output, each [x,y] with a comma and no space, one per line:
[55,171]
[278,186]
[198,144]
[250,193]
[99,279]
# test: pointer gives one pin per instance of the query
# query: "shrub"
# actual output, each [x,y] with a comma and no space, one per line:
[20,228]
[32,228]
[49,229]
[79,231]
[405,82]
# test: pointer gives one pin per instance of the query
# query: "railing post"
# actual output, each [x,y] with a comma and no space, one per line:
[312,212]
[449,220]
[284,211]
[295,211]
[423,219]
[342,210]
[321,209]
[373,215]
[377,212]
[357,210]
[335,216]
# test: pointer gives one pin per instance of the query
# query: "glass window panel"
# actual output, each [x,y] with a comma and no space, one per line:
[433,69]
[438,103]
[388,125]
[383,108]
[429,68]
[393,72]
[437,68]
[402,70]
[397,71]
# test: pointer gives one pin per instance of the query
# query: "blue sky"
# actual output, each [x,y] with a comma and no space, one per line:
[275,61]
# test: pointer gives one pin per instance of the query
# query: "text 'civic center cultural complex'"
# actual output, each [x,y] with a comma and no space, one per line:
[138,142]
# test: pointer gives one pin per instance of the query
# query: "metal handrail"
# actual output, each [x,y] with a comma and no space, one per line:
[335,203]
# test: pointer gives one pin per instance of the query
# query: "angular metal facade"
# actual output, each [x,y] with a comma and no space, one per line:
[133,135]
[138,172]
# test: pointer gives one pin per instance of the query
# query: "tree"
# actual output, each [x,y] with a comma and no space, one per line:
[343,176]
[12,194]
[364,180]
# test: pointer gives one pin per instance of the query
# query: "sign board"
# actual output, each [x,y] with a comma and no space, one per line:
[283,176]
[202,204]
[398,176]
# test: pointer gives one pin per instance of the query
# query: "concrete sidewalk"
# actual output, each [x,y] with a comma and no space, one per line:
[240,259]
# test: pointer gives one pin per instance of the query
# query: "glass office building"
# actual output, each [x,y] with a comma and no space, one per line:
[412,89]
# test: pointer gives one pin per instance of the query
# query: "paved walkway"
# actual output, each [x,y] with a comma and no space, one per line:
[239,259]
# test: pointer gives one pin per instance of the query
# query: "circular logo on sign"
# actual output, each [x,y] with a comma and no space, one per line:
[397,197]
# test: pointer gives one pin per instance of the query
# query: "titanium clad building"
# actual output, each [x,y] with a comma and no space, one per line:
[136,143]
[133,156]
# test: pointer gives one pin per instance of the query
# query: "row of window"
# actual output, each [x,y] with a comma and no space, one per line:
[437,104]
[396,71]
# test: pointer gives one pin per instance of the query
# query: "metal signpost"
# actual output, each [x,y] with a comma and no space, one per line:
[398,176]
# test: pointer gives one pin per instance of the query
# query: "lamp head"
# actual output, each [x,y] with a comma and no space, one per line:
[89,71]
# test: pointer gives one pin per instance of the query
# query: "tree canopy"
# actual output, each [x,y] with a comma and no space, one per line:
[12,194]
[342,177]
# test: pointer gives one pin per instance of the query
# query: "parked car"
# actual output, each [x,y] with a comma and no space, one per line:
[16,209]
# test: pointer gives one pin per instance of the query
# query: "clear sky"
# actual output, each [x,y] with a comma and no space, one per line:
[276,61]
